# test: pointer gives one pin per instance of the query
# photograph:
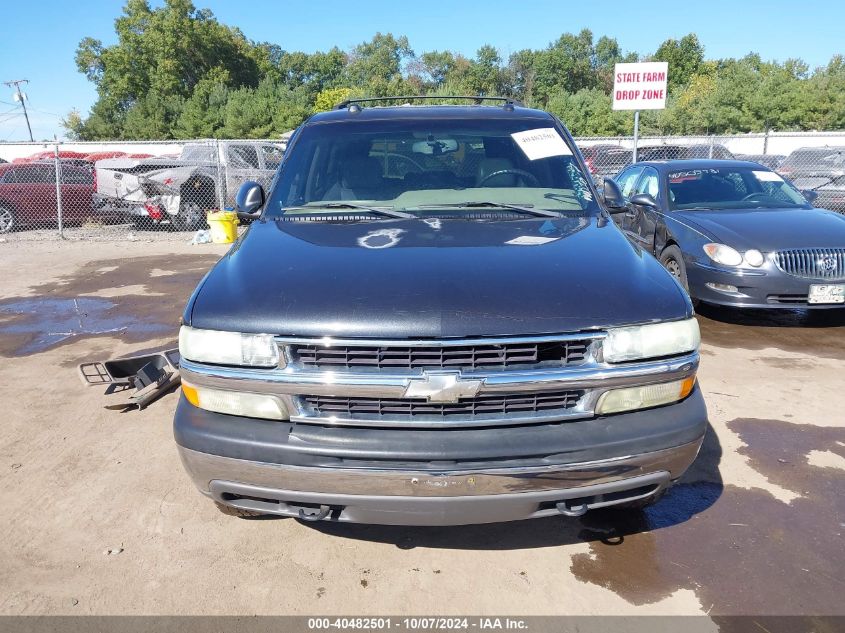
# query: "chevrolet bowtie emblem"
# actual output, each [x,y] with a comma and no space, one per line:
[442,387]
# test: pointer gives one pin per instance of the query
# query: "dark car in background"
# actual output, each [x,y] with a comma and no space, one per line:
[735,233]
[468,341]
[28,194]
[772,161]
[681,152]
[605,159]
[820,170]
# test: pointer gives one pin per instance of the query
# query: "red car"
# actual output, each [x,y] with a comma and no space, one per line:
[28,195]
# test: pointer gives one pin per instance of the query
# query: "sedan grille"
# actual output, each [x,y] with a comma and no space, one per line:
[813,263]
[518,403]
[502,356]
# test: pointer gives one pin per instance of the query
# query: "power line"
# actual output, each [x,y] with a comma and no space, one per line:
[21,99]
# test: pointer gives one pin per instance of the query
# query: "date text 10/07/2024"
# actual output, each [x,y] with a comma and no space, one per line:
[418,624]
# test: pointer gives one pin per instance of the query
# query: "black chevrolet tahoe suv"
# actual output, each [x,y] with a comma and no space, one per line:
[433,320]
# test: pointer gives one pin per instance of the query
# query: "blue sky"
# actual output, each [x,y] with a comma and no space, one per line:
[39,37]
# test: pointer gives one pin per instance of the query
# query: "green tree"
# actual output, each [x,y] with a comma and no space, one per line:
[378,62]
[566,64]
[264,112]
[684,56]
[588,113]
[152,117]
[485,72]
[330,97]
[202,113]
[436,66]
[163,53]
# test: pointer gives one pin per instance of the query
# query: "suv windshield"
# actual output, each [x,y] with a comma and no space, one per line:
[420,164]
[731,188]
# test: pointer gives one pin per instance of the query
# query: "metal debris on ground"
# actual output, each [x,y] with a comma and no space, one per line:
[151,375]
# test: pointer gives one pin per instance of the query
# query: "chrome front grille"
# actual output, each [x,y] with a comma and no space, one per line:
[827,264]
[481,356]
[518,404]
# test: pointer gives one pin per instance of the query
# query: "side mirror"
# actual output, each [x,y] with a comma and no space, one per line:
[644,200]
[809,195]
[613,198]
[250,199]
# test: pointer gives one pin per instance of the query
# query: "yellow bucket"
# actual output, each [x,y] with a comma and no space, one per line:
[224,226]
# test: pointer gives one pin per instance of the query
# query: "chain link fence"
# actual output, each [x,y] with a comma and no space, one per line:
[123,190]
[163,190]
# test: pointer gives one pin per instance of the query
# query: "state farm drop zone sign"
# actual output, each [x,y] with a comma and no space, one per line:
[640,86]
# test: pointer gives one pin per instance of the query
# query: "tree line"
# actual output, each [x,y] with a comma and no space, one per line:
[176,72]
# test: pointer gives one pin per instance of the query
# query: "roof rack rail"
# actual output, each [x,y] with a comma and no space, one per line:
[477,98]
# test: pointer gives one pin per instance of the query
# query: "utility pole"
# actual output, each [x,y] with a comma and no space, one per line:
[19,96]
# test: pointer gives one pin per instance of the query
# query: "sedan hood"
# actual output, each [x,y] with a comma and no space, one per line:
[434,278]
[768,229]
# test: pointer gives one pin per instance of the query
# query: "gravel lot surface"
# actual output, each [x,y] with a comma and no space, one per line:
[99,517]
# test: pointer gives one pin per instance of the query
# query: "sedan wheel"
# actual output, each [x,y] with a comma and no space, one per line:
[673,261]
[7,220]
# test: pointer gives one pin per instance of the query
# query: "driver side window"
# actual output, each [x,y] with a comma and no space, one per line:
[626,181]
[649,183]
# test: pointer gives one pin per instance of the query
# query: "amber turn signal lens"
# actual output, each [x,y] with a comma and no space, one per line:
[191,394]
[686,387]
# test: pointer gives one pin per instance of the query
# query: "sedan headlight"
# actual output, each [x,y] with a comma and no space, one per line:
[228,348]
[651,341]
[644,396]
[249,405]
[723,254]
[754,258]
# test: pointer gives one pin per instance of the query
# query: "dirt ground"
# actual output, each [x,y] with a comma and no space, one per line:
[99,517]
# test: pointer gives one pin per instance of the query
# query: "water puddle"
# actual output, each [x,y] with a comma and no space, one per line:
[813,333]
[741,551]
[46,322]
[140,304]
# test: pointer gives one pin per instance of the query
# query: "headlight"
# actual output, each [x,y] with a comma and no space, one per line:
[228,348]
[651,341]
[644,397]
[754,258]
[723,254]
[250,405]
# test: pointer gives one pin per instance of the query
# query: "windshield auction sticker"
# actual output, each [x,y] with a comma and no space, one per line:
[767,176]
[541,143]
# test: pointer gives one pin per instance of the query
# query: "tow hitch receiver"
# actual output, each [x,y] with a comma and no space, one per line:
[573,507]
[319,515]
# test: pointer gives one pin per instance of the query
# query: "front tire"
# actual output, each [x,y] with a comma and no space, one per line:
[673,260]
[7,219]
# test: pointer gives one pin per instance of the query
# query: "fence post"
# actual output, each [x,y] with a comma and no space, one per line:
[221,178]
[712,140]
[766,141]
[636,135]
[58,189]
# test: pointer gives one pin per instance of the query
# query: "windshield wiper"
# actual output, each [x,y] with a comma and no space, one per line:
[528,209]
[385,211]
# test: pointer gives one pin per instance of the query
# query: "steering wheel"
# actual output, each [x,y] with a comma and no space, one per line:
[757,194]
[516,172]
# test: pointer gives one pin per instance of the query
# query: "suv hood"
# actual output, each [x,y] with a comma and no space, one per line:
[769,229]
[434,278]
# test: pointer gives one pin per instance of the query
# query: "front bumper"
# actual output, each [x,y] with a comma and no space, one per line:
[764,288]
[438,477]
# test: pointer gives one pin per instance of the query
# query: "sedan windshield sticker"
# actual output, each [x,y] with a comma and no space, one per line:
[541,143]
[767,176]
[692,174]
